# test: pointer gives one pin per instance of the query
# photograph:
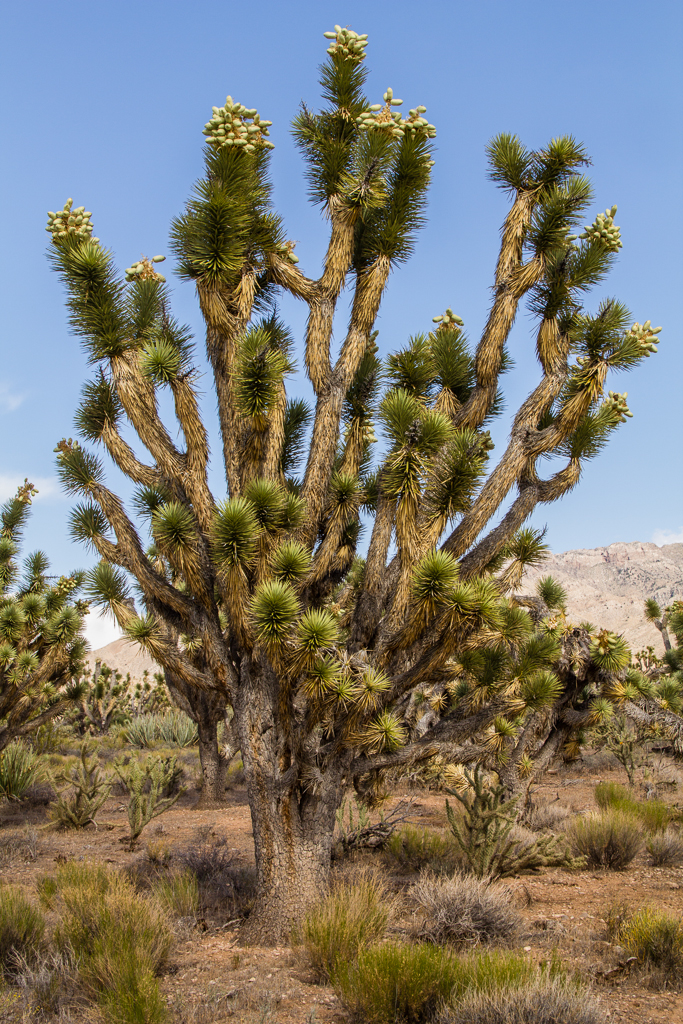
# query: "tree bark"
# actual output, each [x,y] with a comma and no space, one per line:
[214,766]
[293,825]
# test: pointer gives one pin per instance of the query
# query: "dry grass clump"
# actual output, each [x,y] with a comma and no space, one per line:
[21,928]
[465,910]
[665,849]
[397,982]
[353,916]
[610,839]
[655,937]
[544,1001]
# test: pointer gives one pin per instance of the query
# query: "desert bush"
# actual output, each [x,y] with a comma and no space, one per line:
[547,816]
[177,893]
[656,938]
[21,927]
[225,885]
[48,981]
[81,790]
[397,982]
[120,940]
[20,767]
[489,840]
[414,849]
[665,848]
[610,839]
[19,844]
[546,1000]
[465,910]
[146,803]
[353,916]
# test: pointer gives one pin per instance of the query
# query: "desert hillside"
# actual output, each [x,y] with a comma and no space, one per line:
[125,657]
[608,586]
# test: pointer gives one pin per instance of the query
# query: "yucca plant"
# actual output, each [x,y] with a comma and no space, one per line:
[240,591]
[41,640]
[20,767]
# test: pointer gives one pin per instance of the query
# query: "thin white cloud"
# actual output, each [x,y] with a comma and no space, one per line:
[668,536]
[100,630]
[9,400]
[47,486]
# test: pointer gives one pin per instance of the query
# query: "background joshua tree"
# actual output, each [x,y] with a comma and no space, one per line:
[41,643]
[260,598]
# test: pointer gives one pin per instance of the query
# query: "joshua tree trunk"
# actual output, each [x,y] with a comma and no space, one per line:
[207,709]
[214,765]
[293,828]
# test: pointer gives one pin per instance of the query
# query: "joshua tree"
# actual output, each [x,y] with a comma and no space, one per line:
[260,597]
[41,644]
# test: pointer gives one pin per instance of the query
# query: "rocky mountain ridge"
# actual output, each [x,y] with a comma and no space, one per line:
[606,586]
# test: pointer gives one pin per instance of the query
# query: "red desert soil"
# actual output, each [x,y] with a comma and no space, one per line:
[212,977]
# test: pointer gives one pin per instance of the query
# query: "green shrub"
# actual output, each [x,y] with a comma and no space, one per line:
[396,982]
[610,839]
[416,848]
[665,848]
[545,1001]
[613,795]
[654,814]
[465,910]
[352,917]
[120,940]
[20,767]
[177,893]
[21,927]
[656,938]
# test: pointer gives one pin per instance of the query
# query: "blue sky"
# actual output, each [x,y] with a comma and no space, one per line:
[105,102]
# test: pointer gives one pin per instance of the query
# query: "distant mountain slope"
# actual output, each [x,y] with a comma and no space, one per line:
[608,586]
[125,657]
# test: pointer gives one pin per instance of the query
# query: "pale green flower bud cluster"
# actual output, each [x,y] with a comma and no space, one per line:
[619,405]
[66,446]
[143,270]
[603,229]
[448,319]
[287,252]
[348,43]
[383,118]
[70,222]
[646,335]
[237,125]
[486,441]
